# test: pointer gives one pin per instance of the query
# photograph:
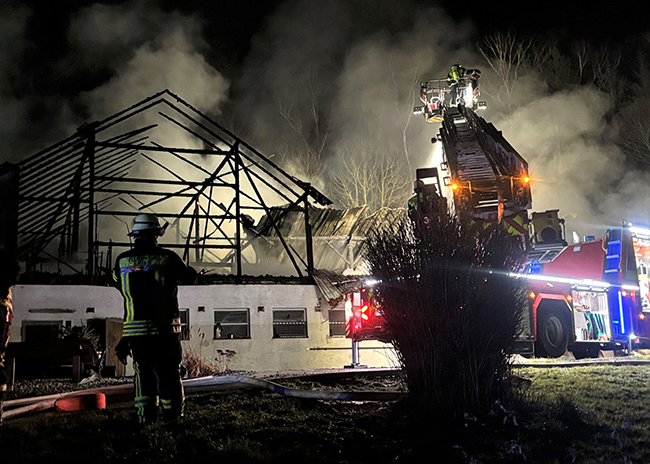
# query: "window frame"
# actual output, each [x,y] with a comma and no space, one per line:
[230,310]
[59,324]
[333,324]
[185,327]
[285,336]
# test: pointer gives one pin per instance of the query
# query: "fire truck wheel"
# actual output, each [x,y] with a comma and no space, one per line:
[552,332]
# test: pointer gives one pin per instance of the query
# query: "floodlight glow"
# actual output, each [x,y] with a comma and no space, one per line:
[563,280]
[469,96]
[641,231]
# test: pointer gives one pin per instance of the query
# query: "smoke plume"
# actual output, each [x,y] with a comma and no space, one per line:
[316,81]
[573,166]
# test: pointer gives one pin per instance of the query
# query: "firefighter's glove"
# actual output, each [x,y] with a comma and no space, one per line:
[123,350]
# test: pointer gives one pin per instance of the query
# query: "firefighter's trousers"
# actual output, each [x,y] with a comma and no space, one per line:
[156,361]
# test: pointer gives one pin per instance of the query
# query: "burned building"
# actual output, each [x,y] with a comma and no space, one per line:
[272,254]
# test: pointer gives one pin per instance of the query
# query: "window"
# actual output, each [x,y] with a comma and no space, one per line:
[184,314]
[231,323]
[337,321]
[41,331]
[289,323]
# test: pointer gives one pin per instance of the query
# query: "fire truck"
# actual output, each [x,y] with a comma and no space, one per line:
[583,297]
[588,296]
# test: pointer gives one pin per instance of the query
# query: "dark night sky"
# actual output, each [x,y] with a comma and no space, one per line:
[230,25]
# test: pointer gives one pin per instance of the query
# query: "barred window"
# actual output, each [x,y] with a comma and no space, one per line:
[231,323]
[289,323]
[337,321]
[184,314]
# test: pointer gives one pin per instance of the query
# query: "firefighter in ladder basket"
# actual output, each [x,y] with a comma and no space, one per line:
[457,78]
[147,276]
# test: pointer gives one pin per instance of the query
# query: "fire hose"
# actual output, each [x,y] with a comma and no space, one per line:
[96,398]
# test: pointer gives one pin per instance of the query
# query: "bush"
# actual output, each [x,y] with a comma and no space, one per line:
[196,366]
[450,307]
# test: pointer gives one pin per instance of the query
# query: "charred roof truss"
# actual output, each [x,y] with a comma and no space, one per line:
[81,188]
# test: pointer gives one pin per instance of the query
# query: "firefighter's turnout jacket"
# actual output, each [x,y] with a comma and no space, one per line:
[147,276]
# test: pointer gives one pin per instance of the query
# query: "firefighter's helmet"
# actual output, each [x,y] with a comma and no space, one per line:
[146,225]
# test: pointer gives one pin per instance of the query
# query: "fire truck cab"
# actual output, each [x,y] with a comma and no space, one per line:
[588,296]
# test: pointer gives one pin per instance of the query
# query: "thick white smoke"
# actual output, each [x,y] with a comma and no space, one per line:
[117,54]
[372,75]
[319,78]
[356,67]
[148,51]
[574,168]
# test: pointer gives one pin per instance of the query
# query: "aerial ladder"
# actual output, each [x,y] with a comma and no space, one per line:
[482,174]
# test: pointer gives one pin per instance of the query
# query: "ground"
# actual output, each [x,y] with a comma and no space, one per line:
[592,414]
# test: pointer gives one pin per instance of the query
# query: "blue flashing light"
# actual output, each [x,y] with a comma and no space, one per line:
[534,268]
[620,311]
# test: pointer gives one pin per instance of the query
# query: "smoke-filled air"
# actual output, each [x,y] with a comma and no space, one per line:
[328,93]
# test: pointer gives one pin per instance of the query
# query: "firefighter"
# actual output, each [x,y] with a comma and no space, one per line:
[147,276]
[425,201]
[457,77]
[8,277]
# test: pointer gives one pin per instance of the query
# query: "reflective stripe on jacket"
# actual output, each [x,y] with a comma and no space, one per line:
[148,276]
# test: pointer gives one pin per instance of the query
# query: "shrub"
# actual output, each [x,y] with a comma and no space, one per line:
[196,366]
[450,307]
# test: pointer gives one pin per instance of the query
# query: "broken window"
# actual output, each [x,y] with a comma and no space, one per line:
[184,314]
[289,323]
[231,323]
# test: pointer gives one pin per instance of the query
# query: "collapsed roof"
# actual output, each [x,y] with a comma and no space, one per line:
[338,235]
[161,155]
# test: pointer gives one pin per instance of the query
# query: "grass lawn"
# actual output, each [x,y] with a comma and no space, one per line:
[583,415]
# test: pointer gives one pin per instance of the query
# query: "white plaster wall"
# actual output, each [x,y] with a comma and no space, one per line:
[263,352]
[107,302]
[259,353]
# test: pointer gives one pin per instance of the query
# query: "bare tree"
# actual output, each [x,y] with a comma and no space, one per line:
[367,176]
[557,69]
[634,124]
[606,71]
[304,164]
[309,118]
[506,56]
[583,55]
